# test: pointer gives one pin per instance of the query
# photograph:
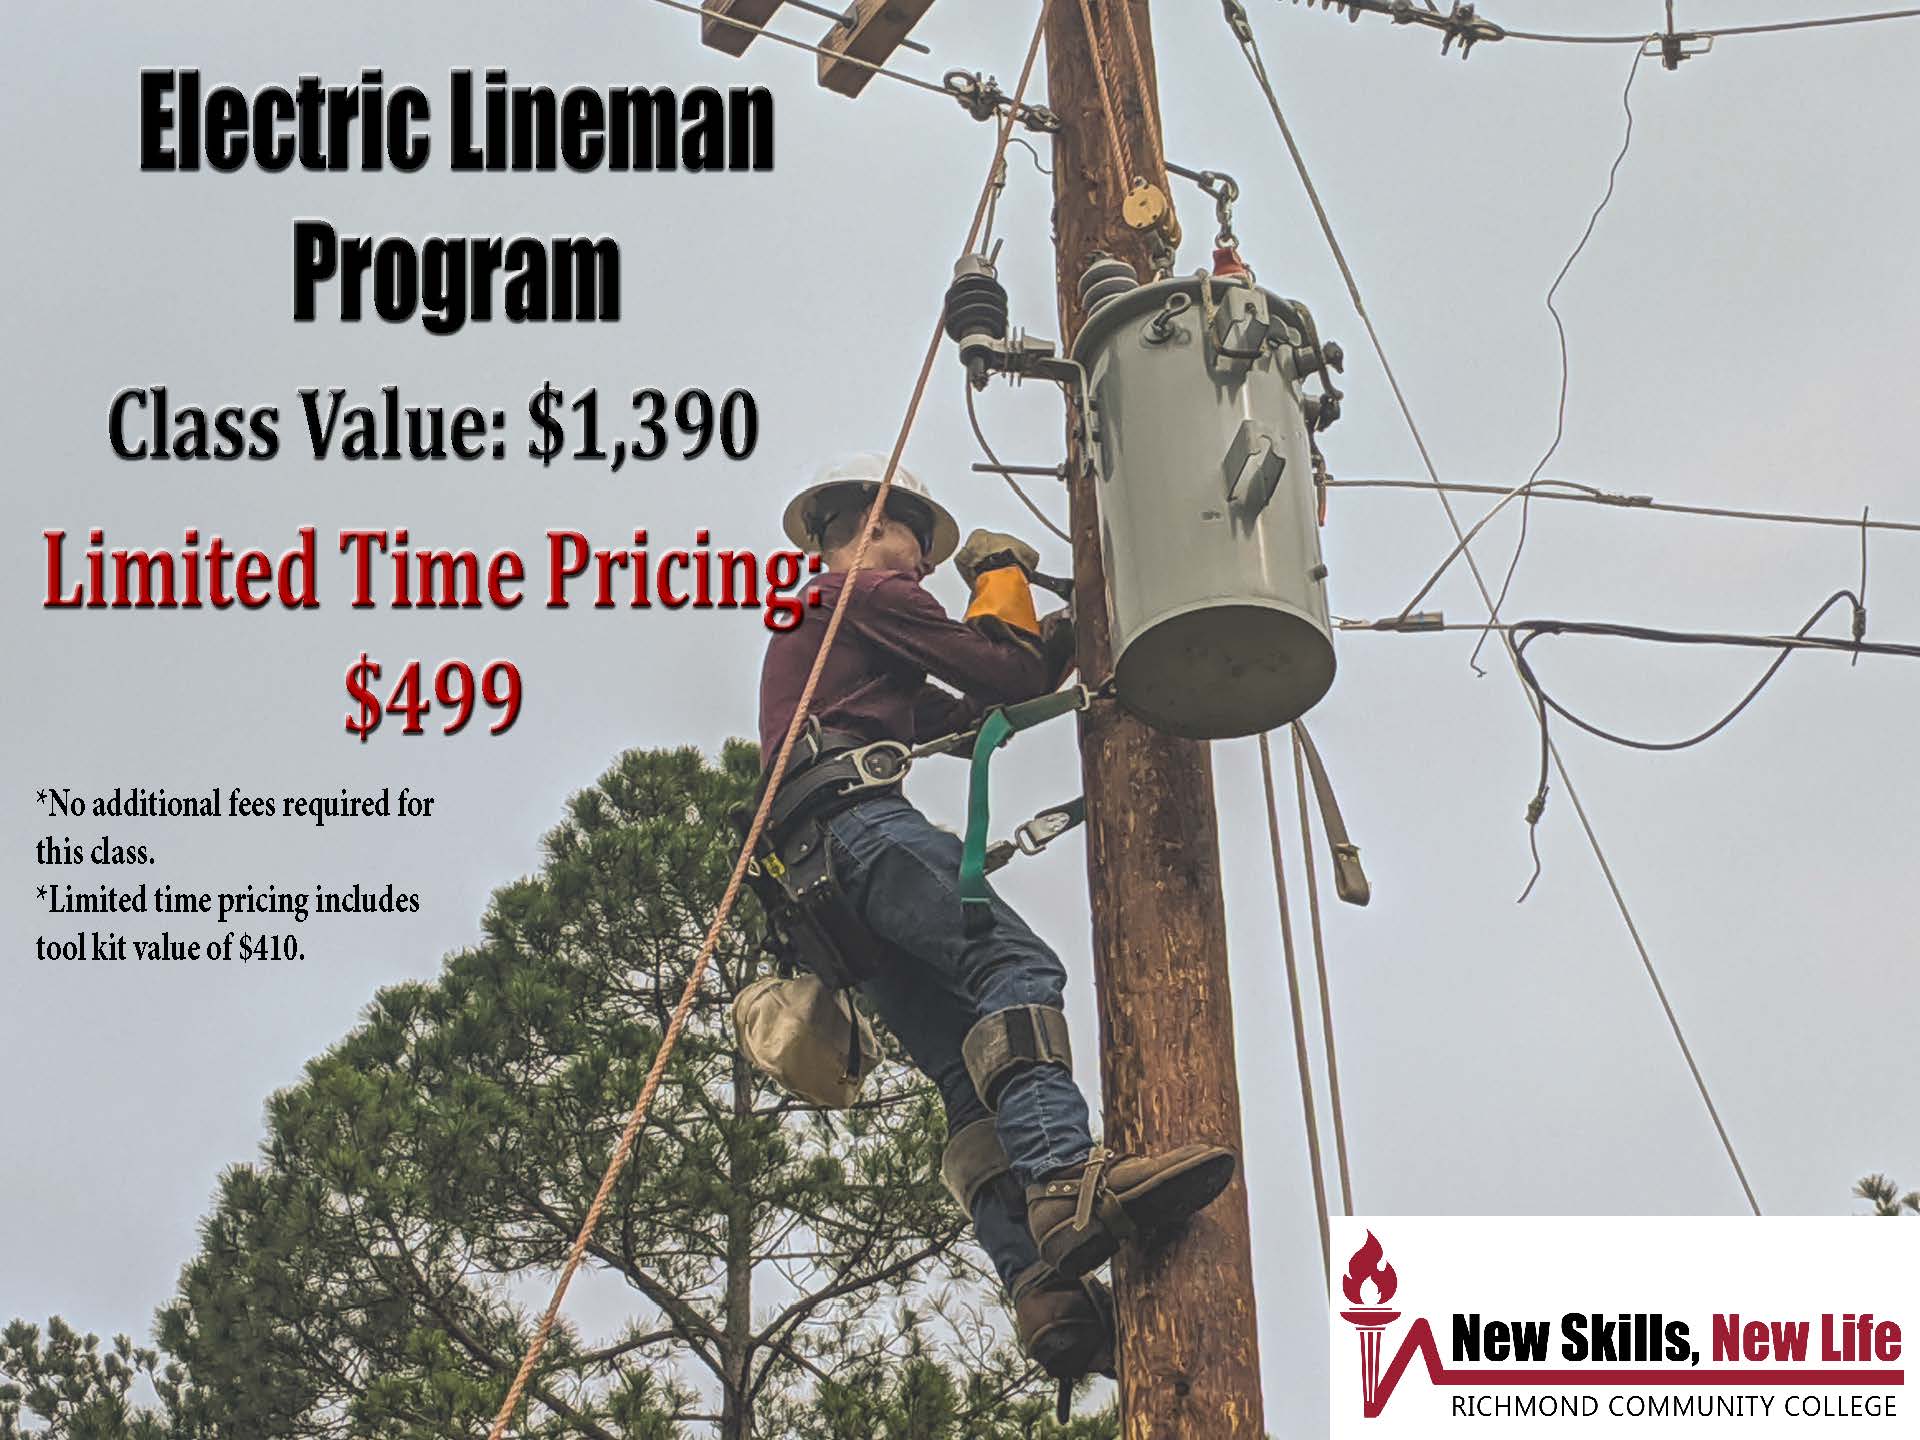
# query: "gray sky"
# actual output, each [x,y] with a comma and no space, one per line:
[1741,329]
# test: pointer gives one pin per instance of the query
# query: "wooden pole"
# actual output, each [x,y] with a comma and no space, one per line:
[1189,1343]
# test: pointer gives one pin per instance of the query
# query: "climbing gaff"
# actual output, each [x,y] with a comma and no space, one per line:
[1204,468]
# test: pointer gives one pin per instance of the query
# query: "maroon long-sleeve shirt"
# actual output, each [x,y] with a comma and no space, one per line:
[875,684]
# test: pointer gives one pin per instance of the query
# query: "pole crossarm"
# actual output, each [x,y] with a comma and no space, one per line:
[879,27]
[748,18]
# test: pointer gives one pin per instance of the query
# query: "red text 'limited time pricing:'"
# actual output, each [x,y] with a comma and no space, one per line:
[388,569]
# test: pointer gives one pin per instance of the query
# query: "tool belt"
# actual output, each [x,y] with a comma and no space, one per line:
[811,923]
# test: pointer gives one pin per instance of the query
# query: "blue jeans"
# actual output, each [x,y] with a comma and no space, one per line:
[901,873]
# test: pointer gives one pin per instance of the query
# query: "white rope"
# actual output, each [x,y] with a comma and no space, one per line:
[1314,1161]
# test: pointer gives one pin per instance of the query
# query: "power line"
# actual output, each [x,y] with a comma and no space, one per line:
[1587,494]
[1560,329]
[1531,630]
[1243,31]
[845,19]
[1769,29]
[979,435]
[839,56]
[1463,24]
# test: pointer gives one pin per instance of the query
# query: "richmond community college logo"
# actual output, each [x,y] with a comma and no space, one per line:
[1621,1367]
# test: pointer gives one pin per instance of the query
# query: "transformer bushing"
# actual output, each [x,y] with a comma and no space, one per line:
[1209,517]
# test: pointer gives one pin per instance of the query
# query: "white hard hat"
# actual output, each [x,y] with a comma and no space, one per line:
[848,481]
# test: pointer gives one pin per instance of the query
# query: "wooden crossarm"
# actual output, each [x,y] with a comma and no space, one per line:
[733,39]
[879,27]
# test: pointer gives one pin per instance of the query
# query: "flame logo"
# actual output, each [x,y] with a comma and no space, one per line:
[1364,1266]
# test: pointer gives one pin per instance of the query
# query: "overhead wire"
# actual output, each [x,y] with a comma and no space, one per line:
[1590,495]
[838,56]
[980,436]
[1531,631]
[1027,145]
[1773,28]
[1242,27]
[1560,328]
[676,1024]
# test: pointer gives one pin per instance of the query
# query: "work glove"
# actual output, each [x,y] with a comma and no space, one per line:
[992,545]
[996,566]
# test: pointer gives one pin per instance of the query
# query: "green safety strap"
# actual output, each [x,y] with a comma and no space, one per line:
[1000,725]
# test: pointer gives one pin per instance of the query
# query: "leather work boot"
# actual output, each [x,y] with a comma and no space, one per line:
[1080,1216]
[1066,1327]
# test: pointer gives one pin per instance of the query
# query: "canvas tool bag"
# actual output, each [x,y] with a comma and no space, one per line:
[807,1036]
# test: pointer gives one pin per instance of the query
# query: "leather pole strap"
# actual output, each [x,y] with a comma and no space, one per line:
[1349,880]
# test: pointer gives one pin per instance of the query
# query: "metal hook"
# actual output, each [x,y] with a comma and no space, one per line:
[981,97]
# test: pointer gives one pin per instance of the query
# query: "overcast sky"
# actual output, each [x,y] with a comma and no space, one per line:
[1742,334]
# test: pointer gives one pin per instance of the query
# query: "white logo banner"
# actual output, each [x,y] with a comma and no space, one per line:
[1645,1325]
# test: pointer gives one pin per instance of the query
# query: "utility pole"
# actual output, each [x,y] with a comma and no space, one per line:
[1189,1341]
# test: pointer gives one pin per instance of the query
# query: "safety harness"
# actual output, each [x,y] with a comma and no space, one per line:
[812,926]
[999,726]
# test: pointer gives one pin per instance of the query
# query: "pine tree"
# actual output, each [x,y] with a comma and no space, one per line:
[79,1391]
[1886,1196]
[376,1273]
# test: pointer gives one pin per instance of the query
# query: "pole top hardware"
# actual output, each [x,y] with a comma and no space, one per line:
[1223,190]
[1674,46]
[981,97]
[1460,23]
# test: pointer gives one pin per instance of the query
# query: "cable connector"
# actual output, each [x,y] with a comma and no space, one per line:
[1417,620]
[1673,46]
[1460,23]
[981,97]
[1350,8]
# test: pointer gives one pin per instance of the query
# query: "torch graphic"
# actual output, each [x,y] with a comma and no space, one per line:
[1365,1268]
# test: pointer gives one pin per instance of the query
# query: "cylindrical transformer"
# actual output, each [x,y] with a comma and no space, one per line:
[1209,520]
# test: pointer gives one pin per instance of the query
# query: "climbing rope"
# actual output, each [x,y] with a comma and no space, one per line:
[1147,107]
[1145,202]
[623,1150]
[1293,1000]
[1300,742]
[1116,147]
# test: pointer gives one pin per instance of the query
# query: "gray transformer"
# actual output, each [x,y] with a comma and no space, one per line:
[1209,514]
